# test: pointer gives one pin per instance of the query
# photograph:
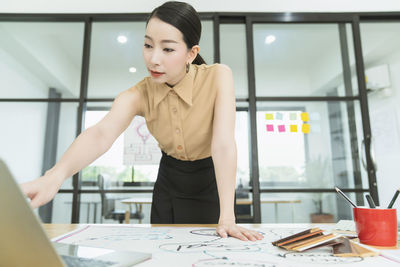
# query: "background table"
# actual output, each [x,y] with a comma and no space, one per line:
[139,201]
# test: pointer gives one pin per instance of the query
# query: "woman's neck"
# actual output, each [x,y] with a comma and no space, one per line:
[172,84]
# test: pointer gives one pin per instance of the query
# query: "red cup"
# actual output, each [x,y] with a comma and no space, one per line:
[377,227]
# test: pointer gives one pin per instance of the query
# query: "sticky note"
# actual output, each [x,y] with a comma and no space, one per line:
[279,116]
[270,127]
[304,116]
[269,116]
[293,128]
[305,128]
[293,116]
[281,128]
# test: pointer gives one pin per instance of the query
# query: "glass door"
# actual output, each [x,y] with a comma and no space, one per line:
[309,121]
[381,54]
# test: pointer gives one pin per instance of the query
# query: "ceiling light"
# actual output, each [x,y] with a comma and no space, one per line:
[270,39]
[122,39]
[133,70]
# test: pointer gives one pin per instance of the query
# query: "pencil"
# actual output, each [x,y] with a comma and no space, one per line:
[345,197]
[394,198]
[370,201]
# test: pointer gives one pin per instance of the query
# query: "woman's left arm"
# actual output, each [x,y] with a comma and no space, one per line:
[223,151]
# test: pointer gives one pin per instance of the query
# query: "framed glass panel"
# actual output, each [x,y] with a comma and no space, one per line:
[122,66]
[36,56]
[242,143]
[234,54]
[66,133]
[111,164]
[207,41]
[309,145]
[381,54]
[301,59]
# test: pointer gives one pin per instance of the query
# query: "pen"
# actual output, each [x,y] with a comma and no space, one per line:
[370,201]
[345,197]
[394,198]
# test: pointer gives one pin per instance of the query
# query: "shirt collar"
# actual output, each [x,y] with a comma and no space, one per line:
[184,89]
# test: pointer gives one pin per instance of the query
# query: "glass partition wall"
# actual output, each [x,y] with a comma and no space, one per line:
[302,121]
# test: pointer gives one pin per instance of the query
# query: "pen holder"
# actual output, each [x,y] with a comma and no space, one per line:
[377,227]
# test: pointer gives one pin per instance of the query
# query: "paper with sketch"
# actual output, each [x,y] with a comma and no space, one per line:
[182,246]
[140,147]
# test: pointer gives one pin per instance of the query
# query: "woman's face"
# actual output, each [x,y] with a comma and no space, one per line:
[165,52]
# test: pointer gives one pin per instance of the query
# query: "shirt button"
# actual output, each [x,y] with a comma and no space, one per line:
[177,131]
[174,110]
[179,147]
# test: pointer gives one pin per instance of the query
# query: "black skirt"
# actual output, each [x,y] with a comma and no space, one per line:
[185,192]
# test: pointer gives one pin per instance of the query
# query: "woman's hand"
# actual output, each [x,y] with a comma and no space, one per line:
[42,190]
[230,228]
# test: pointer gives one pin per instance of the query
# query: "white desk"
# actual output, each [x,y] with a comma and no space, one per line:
[150,238]
[89,204]
[275,201]
[138,201]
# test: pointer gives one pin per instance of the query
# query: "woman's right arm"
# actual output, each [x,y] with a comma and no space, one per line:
[88,146]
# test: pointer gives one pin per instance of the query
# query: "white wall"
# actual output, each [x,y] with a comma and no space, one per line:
[22,124]
[22,138]
[385,122]
[129,6]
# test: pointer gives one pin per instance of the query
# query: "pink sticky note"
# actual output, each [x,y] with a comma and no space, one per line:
[281,128]
[270,127]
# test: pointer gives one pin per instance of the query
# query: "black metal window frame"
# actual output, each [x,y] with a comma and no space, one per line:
[218,18]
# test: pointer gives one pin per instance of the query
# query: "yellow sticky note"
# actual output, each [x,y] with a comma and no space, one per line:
[305,128]
[269,116]
[304,116]
[293,128]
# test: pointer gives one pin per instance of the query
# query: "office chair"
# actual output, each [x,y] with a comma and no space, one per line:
[108,210]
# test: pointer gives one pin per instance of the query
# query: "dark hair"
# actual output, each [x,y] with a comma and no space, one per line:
[183,17]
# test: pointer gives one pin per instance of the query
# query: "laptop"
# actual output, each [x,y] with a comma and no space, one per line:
[23,241]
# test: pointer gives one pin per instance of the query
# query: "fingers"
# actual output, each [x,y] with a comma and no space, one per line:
[253,235]
[35,193]
[36,202]
[234,232]
[26,189]
[222,233]
[259,236]
[240,233]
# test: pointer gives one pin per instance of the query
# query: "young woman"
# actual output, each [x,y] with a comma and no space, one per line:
[189,108]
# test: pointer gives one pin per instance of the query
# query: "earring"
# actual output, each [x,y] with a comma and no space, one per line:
[187,67]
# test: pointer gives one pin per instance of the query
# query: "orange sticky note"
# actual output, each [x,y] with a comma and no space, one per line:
[269,116]
[305,128]
[304,116]
[293,128]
